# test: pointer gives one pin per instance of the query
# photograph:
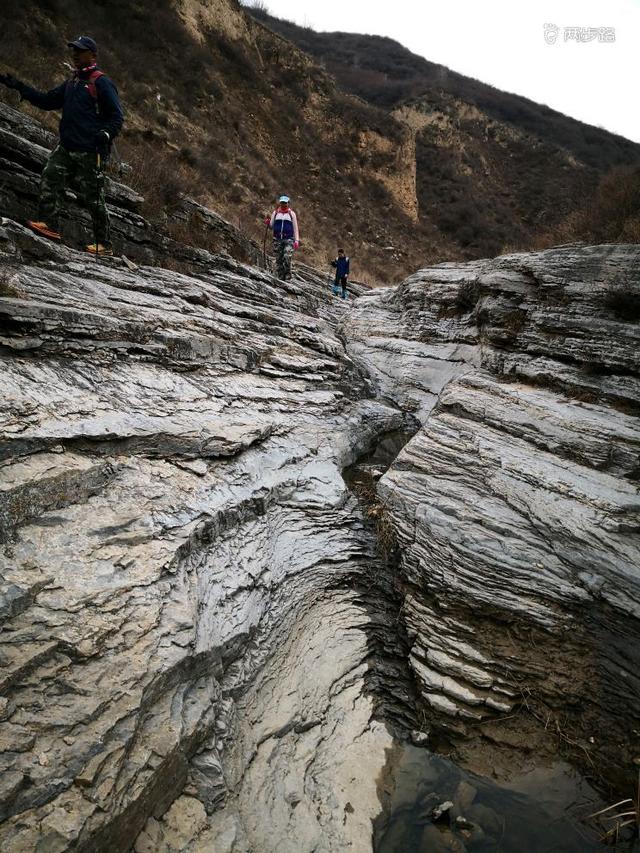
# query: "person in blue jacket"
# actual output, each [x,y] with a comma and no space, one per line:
[91,118]
[341,265]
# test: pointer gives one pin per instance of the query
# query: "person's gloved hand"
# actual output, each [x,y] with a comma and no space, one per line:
[296,244]
[102,142]
[267,220]
[10,81]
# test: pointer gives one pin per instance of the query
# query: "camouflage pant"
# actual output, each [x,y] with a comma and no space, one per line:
[283,250]
[78,171]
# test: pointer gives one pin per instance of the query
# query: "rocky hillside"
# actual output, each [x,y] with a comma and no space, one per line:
[226,598]
[517,503]
[222,108]
[24,147]
[493,169]
[225,109]
[168,443]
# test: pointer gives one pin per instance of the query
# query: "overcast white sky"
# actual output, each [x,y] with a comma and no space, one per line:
[502,42]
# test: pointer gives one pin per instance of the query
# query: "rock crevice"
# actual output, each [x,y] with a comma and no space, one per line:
[188,583]
[201,636]
[516,504]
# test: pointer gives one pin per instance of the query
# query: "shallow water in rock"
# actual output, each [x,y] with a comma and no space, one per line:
[541,811]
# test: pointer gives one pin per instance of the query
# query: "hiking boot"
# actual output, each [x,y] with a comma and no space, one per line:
[43,230]
[100,249]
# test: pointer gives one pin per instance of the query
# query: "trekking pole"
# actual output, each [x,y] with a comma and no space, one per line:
[95,219]
[264,246]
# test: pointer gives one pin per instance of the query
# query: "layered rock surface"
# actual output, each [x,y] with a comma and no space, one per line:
[24,148]
[181,555]
[201,646]
[516,505]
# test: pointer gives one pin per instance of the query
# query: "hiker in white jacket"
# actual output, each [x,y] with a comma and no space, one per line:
[286,236]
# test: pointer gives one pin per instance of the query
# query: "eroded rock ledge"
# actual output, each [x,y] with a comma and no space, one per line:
[516,505]
[200,643]
[191,600]
[24,148]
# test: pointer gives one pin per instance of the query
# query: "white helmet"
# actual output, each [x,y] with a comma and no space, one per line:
[284,199]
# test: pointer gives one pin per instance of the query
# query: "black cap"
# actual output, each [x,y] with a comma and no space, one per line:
[84,43]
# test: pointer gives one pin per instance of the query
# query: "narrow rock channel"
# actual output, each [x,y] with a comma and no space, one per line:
[252,539]
[191,590]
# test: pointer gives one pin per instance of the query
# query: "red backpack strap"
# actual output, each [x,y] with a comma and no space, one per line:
[91,83]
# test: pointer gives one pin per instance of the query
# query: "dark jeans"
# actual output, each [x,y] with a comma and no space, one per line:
[341,281]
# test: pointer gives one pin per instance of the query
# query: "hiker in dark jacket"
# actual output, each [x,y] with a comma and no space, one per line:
[341,265]
[91,119]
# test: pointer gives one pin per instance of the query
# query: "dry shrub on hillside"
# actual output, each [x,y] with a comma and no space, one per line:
[385,73]
[614,213]
[611,216]
[161,177]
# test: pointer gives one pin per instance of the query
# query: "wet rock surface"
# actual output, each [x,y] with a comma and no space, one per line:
[541,810]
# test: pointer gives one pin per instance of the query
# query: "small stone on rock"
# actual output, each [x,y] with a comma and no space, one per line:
[441,810]
[419,738]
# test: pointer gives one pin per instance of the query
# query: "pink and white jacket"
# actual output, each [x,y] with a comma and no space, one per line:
[284,224]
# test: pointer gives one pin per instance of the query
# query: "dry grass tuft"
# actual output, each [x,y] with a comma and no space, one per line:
[9,285]
[619,822]
[377,511]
